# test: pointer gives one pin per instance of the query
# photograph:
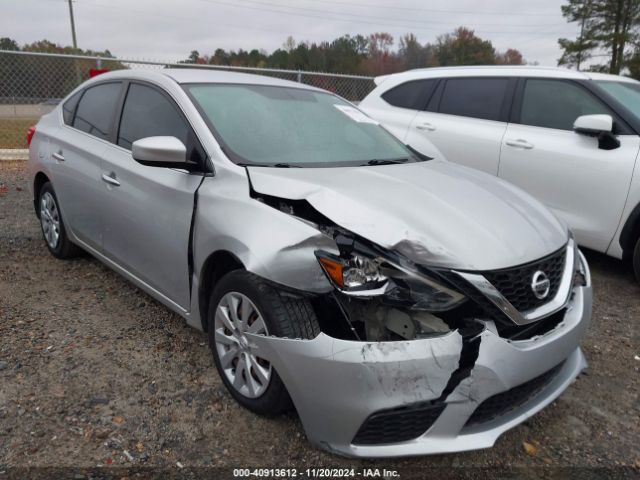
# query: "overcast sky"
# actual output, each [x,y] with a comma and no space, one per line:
[169,30]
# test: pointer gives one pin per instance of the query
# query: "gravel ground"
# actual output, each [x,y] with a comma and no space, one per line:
[94,372]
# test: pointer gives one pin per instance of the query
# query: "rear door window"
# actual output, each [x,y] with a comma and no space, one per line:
[474,97]
[413,95]
[96,109]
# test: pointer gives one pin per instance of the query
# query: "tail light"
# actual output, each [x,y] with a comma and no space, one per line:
[30,133]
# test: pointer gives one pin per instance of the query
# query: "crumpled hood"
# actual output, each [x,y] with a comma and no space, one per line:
[435,212]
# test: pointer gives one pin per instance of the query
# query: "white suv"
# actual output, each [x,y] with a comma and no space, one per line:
[569,138]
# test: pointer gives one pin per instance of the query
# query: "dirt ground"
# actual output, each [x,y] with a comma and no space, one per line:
[93,372]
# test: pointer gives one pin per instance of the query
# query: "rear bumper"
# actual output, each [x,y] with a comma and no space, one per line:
[337,384]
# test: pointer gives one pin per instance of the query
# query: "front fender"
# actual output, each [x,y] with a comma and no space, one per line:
[268,242]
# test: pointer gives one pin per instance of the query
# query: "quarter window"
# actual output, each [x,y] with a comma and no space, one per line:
[413,95]
[95,111]
[556,104]
[69,108]
[474,97]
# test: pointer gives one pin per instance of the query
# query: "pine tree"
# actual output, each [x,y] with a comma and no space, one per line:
[610,26]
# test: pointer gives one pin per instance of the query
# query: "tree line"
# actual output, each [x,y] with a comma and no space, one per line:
[375,54]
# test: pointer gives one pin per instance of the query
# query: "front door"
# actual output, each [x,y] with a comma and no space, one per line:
[585,186]
[147,217]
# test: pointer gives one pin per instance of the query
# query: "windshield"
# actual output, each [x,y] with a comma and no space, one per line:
[293,127]
[627,93]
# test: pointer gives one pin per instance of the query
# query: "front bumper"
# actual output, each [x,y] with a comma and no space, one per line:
[337,384]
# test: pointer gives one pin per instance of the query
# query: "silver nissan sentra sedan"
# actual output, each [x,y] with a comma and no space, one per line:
[402,305]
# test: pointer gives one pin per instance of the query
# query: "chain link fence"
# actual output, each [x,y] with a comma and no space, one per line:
[32,84]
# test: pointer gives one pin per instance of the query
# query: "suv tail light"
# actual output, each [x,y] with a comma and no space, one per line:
[30,133]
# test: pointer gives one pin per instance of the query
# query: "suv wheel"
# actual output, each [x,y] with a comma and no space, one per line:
[53,229]
[636,260]
[244,303]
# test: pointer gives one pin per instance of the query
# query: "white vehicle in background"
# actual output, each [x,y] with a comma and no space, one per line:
[569,138]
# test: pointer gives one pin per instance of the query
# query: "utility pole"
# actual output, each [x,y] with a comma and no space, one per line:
[75,42]
[73,25]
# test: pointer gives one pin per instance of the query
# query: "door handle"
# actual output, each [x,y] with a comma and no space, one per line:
[110,179]
[426,126]
[58,156]
[519,143]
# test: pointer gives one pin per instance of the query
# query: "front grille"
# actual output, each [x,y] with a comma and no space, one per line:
[398,424]
[503,403]
[515,283]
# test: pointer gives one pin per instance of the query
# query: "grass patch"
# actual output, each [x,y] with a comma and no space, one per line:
[13,131]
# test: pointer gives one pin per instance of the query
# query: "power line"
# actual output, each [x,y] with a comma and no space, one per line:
[358,20]
[520,33]
[433,10]
[117,9]
[290,9]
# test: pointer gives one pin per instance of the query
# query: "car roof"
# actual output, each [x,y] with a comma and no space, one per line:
[501,70]
[202,75]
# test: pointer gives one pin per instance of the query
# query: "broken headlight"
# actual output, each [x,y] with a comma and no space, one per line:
[363,276]
[581,270]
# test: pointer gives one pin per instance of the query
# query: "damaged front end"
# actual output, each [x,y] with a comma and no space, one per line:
[413,359]
[378,295]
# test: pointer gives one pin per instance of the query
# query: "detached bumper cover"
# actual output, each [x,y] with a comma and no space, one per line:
[336,385]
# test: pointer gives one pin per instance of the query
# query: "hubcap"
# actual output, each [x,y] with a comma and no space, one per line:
[50,219]
[236,316]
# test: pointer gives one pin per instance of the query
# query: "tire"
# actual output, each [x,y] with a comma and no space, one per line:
[52,225]
[281,315]
[635,261]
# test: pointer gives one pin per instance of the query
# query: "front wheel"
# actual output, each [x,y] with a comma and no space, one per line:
[52,224]
[244,303]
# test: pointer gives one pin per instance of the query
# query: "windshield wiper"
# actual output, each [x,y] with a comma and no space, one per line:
[276,165]
[389,161]
[284,165]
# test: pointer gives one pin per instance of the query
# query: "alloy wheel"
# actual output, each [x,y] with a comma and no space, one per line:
[50,219]
[236,315]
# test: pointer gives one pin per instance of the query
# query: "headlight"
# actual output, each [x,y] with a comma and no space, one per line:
[362,276]
[355,274]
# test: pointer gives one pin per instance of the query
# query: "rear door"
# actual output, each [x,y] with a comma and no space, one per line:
[148,210]
[465,119]
[584,185]
[397,107]
[76,153]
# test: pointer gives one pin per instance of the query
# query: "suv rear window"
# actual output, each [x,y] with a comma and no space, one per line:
[413,95]
[474,97]
[95,111]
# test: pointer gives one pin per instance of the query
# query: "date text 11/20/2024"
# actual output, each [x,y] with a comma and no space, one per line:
[316,473]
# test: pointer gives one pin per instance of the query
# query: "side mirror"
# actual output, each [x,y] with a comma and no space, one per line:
[160,152]
[599,126]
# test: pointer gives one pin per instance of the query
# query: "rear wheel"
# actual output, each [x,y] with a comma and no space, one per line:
[243,303]
[52,224]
